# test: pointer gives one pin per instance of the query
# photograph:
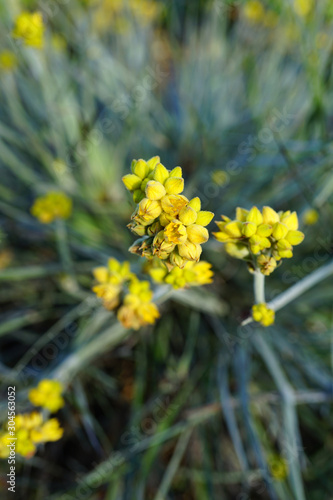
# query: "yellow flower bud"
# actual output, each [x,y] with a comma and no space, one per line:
[237,250]
[174,185]
[295,237]
[284,249]
[160,173]
[155,190]
[153,162]
[187,215]
[176,172]
[270,217]
[140,168]
[175,232]
[254,216]
[161,244]
[267,264]
[204,218]
[149,209]
[249,229]
[132,182]
[234,229]
[291,221]
[173,203]
[195,203]
[264,230]
[197,234]
[165,219]
[241,214]
[136,228]
[158,274]
[279,231]
[190,251]
[154,228]
[262,314]
[310,217]
[177,260]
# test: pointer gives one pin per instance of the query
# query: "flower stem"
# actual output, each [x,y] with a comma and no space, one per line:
[259,288]
[63,246]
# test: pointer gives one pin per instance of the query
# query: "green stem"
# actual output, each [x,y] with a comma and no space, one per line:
[259,288]
[63,246]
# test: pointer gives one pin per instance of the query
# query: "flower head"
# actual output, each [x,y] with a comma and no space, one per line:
[8,60]
[52,206]
[29,27]
[31,429]
[260,237]
[110,282]
[48,395]
[171,226]
[192,274]
[138,309]
[262,314]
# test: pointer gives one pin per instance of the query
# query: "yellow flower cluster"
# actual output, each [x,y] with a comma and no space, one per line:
[262,314]
[255,12]
[261,238]
[51,206]
[48,395]
[138,309]
[171,227]
[8,60]
[117,14]
[192,274]
[136,306]
[110,281]
[30,430]
[29,27]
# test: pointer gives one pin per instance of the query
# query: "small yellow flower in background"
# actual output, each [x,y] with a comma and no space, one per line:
[278,467]
[8,60]
[48,395]
[52,206]
[310,217]
[29,27]
[138,309]
[261,238]
[192,274]
[30,430]
[254,11]
[303,7]
[220,177]
[262,314]
[110,282]
[171,227]
[120,289]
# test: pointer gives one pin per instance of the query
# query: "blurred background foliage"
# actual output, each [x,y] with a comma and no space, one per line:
[240,95]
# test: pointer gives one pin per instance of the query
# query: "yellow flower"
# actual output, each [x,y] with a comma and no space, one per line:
[51,206]
[175,232]
[310,217]
[110,282]
[137,309]
[8,60]
[269,236]
[48,395]
[190,274]
[30,430]
[254,11]
[278,467]
[29,27]
[164,207]
[262,314]
[303,7]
